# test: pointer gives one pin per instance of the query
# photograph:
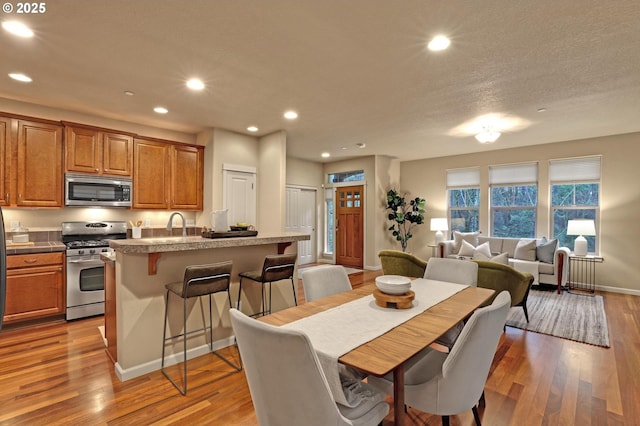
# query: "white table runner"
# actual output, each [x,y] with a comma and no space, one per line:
[339,330]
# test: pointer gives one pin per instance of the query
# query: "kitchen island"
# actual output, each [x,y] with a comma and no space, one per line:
[134,294]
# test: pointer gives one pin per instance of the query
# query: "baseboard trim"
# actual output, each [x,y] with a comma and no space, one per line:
[618,290]
[148,367]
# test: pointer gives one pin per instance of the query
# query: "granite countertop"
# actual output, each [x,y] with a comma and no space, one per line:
[36,247]
[169,244]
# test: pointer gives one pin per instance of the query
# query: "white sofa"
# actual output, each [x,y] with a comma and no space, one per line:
[539,265]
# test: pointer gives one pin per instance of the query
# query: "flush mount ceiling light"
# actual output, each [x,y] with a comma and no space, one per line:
[20,77]
[290,115]
[488,136]
[161,110]
[325,155]
[252,128]
[17,28]
[439,43]
[195,84]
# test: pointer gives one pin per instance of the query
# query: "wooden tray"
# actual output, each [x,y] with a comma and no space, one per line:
[397,301]
[230,234]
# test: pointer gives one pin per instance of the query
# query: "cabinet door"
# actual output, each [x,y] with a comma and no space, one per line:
[82,150]
[5,159]
[34,293]
[39,179]
[186,177]
[151,174]
[117,154]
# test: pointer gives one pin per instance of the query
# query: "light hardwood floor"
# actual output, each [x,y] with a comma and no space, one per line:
[60,374]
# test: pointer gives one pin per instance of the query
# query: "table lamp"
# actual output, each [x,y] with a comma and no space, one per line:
[581,227]
[439,224]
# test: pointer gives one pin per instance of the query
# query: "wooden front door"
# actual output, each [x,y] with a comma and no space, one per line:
[349,225]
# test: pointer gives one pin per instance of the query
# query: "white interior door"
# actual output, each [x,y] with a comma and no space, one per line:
[239,196]
[301,217]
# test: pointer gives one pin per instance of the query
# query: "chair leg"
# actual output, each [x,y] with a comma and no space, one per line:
[183,390]
[445,420]
[293,287]
[476,416]
[526,314]
[482,401]
[270,288]
[239,292]
[238,367]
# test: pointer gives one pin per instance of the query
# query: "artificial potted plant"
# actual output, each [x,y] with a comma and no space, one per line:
[405,215]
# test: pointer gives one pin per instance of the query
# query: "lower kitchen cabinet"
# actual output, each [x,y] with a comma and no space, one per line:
[35,286]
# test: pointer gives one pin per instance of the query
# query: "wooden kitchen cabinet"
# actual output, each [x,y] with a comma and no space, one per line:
[35,286]
[167,176]
[39,174]
[97,151]
[5,159]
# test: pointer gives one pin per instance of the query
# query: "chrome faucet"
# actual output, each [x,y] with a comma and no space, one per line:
[184,223]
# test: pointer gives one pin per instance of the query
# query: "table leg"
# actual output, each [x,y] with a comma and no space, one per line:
[398,395]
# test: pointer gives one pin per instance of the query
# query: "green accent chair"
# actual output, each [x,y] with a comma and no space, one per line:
[395,262]
[499,277]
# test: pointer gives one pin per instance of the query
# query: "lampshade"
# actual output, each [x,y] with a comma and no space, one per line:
[581,227]
[439,224]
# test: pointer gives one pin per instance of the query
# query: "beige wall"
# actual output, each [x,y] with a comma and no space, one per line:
[272,182]
[619,202]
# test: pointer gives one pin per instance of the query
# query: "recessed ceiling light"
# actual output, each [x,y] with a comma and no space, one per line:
[128,93]
[325,155]
[361,145]
[17,28]
[543,109]
[439,43]
[290,115]
[195,84]
[20,77]
[252,128]
[161,110]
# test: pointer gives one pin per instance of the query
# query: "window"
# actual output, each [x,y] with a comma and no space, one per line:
[514,199]
[352,176]
[329,220]
[463,186]
[575,194]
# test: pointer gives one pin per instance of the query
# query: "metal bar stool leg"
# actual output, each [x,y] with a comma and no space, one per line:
[293,287]
[239,295]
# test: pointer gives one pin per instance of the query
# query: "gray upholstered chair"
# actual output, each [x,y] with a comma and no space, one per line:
[453,271]
[275,268]
[449,384]
[287,384]
[323,281]
[199,280]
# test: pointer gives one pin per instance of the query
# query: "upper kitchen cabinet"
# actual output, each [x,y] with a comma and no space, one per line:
[39,174]
[167,175]
[95,151]
[5,159]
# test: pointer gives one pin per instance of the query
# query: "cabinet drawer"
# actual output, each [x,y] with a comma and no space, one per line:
[30,260]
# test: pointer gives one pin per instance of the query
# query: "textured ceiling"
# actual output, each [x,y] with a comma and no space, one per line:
[356,71]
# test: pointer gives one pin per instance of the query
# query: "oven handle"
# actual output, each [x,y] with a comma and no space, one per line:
[83,261]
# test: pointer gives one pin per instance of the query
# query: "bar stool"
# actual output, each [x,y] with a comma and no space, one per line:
[199,280]
[275,268]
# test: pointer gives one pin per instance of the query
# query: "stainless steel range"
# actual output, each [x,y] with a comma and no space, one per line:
[85,271]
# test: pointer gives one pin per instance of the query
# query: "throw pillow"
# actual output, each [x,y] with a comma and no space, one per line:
[466,249]
[501,258]
[526,250]
[482,252]
[458,237]
[545,250]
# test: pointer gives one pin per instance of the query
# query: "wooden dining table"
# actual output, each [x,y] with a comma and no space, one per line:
[390,351]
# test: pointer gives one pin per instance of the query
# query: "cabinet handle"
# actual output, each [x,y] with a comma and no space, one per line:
[97,170]
[106,170]
[30,260]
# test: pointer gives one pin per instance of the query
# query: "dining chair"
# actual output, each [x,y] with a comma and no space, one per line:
[453,271]
[449,384]
[323,281]
[287,383]
[198,280]
[275,268]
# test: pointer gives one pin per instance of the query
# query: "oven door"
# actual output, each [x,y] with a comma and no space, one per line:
[85,282]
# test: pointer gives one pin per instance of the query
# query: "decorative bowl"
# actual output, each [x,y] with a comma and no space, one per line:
[393,284]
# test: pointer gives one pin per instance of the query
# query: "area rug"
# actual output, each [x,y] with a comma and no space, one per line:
[569,316]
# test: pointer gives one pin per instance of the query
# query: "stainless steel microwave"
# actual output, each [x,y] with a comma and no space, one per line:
[93,190]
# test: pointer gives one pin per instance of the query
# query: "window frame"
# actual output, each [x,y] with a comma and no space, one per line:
[513,176]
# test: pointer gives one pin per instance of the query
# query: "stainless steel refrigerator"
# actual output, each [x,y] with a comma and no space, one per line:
[3,269]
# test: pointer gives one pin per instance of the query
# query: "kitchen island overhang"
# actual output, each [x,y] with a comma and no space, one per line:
[141,268]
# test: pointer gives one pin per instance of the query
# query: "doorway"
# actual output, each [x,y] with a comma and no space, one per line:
[349,226]
[301,217]
[239,194]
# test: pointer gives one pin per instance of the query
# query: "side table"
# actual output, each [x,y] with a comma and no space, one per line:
[434,247]
[582,273]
